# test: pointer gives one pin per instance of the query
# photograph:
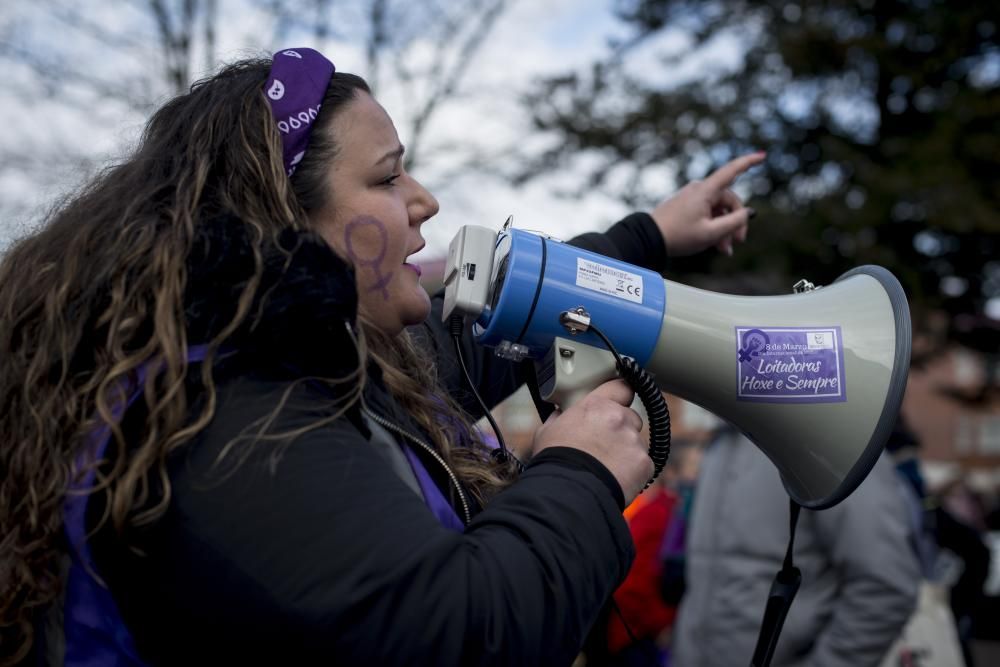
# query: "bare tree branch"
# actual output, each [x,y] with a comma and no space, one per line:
[322,21]
[161,16]
[211,18]
[73,18]
[377,39]
[422,48]
[446,81]
[176,37]
[54,75]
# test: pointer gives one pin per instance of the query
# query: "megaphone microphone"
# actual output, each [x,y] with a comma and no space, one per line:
[814,378]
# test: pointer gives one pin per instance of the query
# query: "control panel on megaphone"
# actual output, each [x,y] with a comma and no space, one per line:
[814,378]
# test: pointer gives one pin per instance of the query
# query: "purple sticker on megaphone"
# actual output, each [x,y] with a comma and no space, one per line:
[790,365]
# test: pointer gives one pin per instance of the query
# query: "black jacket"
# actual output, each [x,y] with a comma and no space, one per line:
[315,550]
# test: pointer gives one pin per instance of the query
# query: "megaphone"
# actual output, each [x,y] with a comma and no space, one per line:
[814,378]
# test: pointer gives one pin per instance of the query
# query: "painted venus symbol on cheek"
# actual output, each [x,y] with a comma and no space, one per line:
[381,280]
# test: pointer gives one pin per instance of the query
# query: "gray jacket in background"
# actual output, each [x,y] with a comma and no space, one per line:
[860,574]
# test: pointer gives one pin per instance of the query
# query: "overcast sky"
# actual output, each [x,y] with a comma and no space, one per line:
[530,39]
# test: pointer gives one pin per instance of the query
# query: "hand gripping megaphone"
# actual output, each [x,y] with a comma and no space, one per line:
[814,378]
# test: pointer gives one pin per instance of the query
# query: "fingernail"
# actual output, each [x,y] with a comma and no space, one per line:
[751,213]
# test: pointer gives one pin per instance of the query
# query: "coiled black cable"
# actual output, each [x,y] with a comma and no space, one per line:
[651,397]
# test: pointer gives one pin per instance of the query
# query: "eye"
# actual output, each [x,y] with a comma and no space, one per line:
[391,180]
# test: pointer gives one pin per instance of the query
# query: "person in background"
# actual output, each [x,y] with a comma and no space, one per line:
[234,429]
[903,448]
[948,529]
[860,574]
[673,553]
[964,559]
[992,514]
[639,629]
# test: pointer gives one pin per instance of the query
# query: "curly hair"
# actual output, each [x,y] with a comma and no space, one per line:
[99,291]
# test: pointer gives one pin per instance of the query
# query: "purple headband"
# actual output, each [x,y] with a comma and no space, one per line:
[295,89]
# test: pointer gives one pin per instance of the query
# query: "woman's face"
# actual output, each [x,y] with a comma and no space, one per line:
[374,215]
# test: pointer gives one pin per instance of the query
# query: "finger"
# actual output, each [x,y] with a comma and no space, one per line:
[725,246]
[742,230]
[729,226]
[740,235]
[729,200]
[724,176]
[718,210]
[636,420]
[617,391]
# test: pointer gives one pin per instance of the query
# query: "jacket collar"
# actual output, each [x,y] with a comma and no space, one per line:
[298,322]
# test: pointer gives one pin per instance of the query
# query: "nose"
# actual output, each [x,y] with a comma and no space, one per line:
[423,205]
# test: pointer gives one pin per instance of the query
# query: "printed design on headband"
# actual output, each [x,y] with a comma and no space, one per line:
[375,263]
[276,91]
[295,89]
[299,120]
[790,364]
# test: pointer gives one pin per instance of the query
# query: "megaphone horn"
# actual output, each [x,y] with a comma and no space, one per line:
[814,378]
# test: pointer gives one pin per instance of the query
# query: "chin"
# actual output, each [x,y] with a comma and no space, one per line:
[417,314]
[394,315]
[414,311]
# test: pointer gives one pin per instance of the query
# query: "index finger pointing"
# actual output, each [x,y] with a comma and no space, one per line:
[724,176]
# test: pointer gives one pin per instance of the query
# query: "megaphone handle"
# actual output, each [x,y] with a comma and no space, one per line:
[575,369]
[527,375]
[783,589]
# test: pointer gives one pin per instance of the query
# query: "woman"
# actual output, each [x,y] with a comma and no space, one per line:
[232,431]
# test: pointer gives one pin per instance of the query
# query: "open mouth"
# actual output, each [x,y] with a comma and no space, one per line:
[412,265]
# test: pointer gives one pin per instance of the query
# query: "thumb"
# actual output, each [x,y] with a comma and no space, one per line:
[616,390]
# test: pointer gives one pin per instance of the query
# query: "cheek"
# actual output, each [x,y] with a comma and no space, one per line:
[366,244]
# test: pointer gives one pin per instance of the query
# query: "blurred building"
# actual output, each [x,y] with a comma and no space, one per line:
[954,410]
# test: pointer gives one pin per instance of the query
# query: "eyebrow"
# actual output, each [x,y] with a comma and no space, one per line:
[394,155]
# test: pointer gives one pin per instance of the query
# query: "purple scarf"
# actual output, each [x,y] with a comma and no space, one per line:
[94,631]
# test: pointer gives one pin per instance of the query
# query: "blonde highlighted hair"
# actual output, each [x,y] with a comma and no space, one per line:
[99,292]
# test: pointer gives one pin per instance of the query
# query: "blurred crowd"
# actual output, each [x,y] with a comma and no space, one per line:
[897,575]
